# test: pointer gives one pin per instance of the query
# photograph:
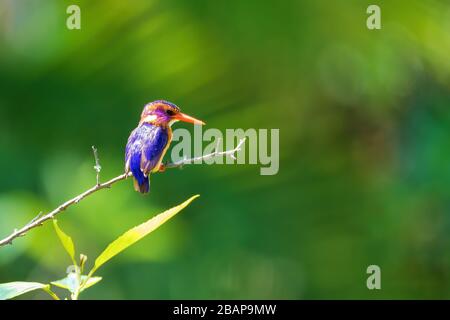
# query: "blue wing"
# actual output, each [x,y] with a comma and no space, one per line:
[144,151]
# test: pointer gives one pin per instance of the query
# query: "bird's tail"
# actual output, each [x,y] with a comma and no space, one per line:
[143,187]
[141,181]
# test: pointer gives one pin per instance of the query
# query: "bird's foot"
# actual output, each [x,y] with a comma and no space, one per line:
[162,168]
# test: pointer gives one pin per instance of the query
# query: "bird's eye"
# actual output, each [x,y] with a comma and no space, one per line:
[170,112]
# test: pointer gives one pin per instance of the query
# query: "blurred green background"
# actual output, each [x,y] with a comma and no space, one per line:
[364,124]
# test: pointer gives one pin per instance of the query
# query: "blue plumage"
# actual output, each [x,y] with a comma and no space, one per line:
[144,151]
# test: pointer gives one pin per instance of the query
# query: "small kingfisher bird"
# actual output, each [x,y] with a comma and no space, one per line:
[149,142]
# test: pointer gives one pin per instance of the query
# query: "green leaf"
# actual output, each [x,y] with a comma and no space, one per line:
[66,241]
[90,282]
[71,283]
[13,289]
[137,233]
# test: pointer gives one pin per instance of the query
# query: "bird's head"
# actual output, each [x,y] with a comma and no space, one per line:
[164,113]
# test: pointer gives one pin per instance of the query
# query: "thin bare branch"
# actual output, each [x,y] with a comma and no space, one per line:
[40,218]
[216,153]
[38,221]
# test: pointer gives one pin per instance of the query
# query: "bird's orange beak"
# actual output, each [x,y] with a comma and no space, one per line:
[184,117]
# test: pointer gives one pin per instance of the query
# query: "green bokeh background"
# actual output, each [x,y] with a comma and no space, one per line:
[364,119]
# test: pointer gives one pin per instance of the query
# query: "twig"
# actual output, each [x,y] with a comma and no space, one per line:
[40,219]
[97,166]
[216,153]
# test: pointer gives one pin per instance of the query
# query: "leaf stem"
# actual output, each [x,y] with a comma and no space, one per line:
[51,293]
